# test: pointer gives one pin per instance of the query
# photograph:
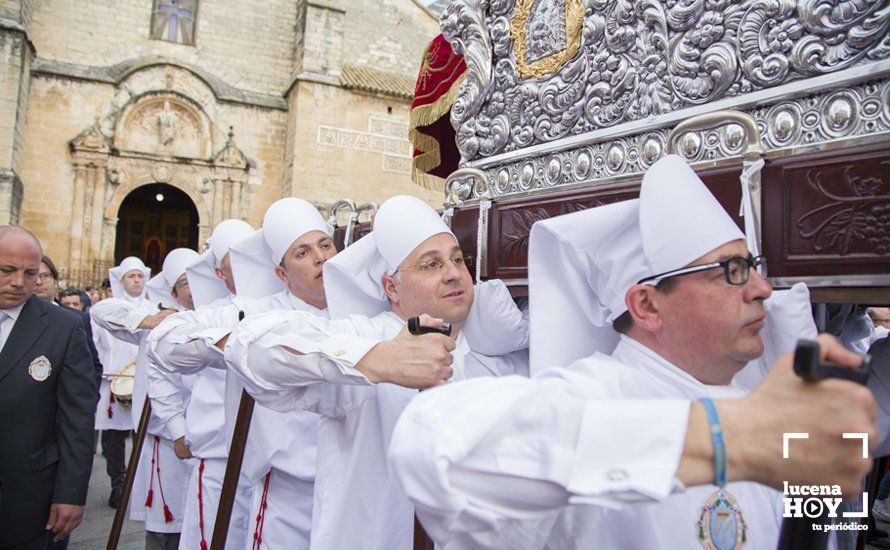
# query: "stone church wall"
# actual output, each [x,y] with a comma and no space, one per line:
[81,122]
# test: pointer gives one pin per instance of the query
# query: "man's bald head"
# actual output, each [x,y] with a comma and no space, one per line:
[20,254]
[14,231]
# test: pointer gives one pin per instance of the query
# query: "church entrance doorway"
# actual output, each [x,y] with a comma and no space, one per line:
[153,220]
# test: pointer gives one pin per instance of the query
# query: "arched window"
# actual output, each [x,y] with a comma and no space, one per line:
[174,20]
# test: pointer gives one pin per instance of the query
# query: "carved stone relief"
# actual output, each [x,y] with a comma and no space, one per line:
[164,125]
[644,58]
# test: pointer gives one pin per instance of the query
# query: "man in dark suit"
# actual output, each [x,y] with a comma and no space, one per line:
[70,298]
[48,398]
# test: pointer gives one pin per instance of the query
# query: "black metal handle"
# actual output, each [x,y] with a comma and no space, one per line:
[415,328]
[808,366]
[798,533]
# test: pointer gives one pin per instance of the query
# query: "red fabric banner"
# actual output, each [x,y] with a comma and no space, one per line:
[429,127]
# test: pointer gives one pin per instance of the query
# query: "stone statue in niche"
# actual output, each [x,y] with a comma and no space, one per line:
[545,30]
[167,118]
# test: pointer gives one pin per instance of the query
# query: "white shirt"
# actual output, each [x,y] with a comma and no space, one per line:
[358,502]
[588,434]
[121,318]
[187,343]
[8,318]
[638,372]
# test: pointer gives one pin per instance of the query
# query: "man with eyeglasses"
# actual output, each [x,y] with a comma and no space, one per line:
[360,369]
[656,306]
[160,481]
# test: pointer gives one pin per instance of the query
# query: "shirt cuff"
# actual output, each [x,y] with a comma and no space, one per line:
[344,352]
[211,336]
[134,318]
[629,449]
[176,426]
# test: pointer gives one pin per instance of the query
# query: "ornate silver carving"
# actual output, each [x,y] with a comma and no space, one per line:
[857,111]
[650,57]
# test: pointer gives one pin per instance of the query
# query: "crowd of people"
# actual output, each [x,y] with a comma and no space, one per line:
[638,401]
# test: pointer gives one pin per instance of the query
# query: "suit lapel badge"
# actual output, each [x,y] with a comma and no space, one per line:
[40,368]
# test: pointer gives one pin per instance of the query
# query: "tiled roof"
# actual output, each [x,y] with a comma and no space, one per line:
[370,80]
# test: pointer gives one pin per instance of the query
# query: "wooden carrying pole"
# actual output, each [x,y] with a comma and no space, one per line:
[121,512]
[422,541]
[233,471]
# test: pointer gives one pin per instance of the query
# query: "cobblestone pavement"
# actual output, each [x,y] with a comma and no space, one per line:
[98,516]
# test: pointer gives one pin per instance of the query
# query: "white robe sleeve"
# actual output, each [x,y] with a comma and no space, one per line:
[166,390]
[489,455]
[259,351]
[495,325]
[185,342]
[120,318]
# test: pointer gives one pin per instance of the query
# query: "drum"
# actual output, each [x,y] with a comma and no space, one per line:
[122,384]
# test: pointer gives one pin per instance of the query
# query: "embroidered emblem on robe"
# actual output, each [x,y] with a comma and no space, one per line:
[721,525]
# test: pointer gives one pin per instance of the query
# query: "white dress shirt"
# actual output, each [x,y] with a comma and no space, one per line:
[358,502]
[8,318]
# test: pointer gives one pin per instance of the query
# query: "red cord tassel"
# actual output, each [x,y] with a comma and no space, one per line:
[110,401]
[168,515]
[261,515]
[149,498]
[201,503]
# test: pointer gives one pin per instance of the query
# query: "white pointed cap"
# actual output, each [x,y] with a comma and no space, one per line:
[161,285]
[226,234]
[254,258]
[115,274]
[680,220]
[352,278]
[205,286]
[581,265]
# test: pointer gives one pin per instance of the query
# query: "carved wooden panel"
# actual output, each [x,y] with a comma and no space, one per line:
[511,220]
[828,213]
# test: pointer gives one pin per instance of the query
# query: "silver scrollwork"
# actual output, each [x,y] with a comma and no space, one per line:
[802,122]
[645,58]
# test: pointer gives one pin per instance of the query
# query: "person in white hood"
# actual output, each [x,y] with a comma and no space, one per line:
[127,282]
[278,267]
[197,423]
[409,265]
[157,492]
[656,298]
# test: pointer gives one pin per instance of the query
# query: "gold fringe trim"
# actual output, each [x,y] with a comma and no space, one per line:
[424,115]
[430,158]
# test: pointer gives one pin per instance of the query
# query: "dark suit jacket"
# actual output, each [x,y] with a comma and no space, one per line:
[88,328]
[46,428]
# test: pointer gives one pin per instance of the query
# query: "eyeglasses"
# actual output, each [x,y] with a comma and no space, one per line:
[736,270]
[45,276]
[434,266]
[181,283]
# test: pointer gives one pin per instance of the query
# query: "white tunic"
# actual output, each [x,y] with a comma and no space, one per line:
[205,431]
[563,438]
[637,372]
[160,473]
[283,443]
[115,351]
[358,502]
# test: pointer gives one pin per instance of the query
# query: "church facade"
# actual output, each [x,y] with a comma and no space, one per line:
[134,126]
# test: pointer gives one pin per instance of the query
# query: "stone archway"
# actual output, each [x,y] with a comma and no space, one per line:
[153,220]
[158,137]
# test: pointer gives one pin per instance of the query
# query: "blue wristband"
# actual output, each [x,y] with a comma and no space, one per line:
[717,441]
